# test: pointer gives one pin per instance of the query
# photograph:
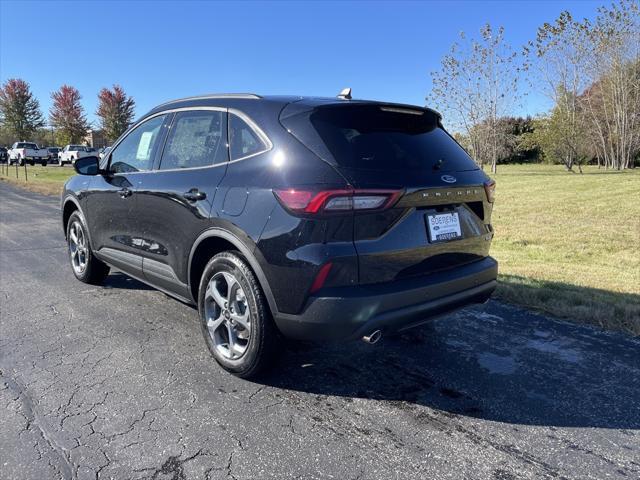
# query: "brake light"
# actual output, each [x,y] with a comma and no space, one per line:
[490,189]
[336,201]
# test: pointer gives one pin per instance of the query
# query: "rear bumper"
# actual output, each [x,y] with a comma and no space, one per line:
[351,312]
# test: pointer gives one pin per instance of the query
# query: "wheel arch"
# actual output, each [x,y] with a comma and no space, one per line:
[216,240]
[69,205]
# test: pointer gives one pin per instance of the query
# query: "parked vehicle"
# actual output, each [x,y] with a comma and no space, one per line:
[28,152]
[104,152]
[53,154]
[71,153]
[321,219]
[3,154]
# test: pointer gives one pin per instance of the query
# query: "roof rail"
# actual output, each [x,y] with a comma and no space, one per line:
[214,95]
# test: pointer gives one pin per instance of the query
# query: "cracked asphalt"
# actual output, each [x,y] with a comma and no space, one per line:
[116,382]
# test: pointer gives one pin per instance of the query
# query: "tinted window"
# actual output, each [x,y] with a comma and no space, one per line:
[27,145]
[135,152]
[380,138]
[244,141]
[197,139]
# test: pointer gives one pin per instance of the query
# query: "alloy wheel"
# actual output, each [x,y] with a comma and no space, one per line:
[227,315]
[78,248]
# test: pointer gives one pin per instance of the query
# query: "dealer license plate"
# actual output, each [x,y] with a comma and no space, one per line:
[443,226]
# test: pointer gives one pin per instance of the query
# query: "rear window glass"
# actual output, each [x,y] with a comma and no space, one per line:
[244,140]
[197,139]
[27,145]
[372,137]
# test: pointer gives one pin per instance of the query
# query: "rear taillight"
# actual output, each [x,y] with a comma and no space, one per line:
[490,189]
[336,201]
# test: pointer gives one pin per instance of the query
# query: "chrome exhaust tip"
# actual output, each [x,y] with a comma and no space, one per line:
[373,337]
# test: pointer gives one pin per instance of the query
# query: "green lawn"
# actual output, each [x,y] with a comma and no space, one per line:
[568,244]
[47,180]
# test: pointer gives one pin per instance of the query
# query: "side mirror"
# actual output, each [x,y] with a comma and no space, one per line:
[87,165]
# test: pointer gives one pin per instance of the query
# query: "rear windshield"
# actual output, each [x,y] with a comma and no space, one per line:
[375,137]
[27,145]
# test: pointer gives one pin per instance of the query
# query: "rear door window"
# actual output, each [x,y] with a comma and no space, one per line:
[196,139]
[244,141]
[374,137]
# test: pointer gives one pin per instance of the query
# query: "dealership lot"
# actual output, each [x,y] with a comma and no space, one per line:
[116,382]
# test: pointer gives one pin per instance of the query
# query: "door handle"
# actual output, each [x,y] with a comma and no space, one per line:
[125,192]
[194,195]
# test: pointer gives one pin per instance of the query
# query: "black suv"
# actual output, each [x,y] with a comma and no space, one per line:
[312,218]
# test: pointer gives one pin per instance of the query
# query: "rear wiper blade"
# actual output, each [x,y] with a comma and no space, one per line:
[438,164]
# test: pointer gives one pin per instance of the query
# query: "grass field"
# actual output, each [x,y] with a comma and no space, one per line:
[47,180]
[568,244]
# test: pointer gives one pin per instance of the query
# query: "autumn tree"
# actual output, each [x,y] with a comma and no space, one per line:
[115,111]
[557,70]
[20,113]
[591,72]
[67,115]
[612,101]
[549,136]
[477,84]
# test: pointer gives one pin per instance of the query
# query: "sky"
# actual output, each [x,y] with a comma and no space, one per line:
[161,50]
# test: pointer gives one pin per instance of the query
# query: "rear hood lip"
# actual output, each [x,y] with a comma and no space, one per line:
[412,181]
[433,196]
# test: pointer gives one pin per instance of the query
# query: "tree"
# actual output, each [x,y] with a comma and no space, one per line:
[44,137]
[612,101]
[477,84]
[560,59]
[67,115]
[20,111]
[549,135]
[591,71]
[115,111]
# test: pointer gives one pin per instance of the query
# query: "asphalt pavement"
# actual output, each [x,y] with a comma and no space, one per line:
[116,382]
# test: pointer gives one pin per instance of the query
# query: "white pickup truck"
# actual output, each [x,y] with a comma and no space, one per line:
[28,152]
[71,153]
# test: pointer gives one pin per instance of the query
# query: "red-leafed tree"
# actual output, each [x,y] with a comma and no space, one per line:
[115,111]
[20,111]
[67,114]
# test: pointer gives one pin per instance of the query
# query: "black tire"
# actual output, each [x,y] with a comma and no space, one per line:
[94,271]
[260,349]
[44,163]
[31,163]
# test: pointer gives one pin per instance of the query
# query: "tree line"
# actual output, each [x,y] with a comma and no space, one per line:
[21,117]
[589,70]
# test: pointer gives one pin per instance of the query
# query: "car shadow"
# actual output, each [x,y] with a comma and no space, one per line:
[502,364]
